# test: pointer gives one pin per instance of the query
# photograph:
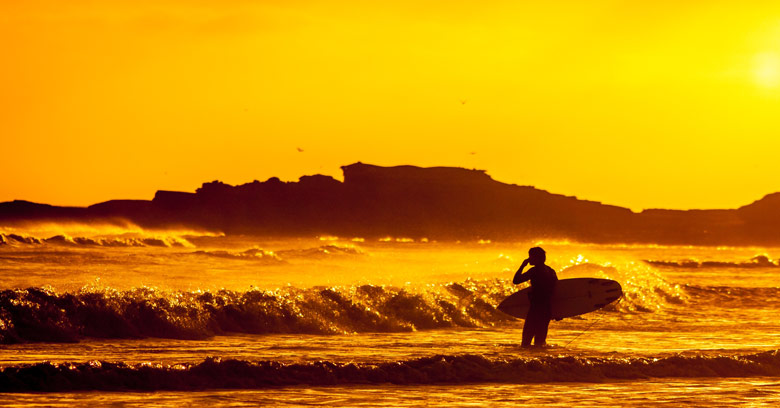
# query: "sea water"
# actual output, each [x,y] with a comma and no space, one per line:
[168,319]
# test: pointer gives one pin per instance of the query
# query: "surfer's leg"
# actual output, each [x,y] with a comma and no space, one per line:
[541,334]
[545,315]
[530,326]
[528,331]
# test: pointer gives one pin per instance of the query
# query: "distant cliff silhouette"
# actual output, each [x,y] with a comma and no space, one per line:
[407,201]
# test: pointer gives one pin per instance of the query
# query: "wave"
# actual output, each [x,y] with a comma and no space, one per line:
[14,239]
[758,261]
[44,315]
[258,254]
[440,369]
[644,290]
[254,254]
[166,241]
[322,251]
[734,297]
[163,242]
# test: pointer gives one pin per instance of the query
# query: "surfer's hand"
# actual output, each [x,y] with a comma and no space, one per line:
[520,269]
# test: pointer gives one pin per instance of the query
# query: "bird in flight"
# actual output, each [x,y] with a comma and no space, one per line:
[299,150]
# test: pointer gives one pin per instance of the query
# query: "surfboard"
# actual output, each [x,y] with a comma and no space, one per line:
[571,297]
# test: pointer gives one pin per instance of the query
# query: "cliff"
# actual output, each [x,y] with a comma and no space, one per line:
[408,201]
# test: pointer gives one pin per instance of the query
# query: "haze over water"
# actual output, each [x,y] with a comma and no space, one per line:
[352,322]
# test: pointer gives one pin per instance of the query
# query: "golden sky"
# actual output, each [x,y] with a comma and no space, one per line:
[642,104]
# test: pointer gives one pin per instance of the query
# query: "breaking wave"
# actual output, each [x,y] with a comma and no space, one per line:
[441,369]
[167,241]
[644,290]
[322,251]
[253,254]
[44,315]
[258,254]
[14,239]
[758,261]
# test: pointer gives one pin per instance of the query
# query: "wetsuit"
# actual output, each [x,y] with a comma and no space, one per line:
[543,279]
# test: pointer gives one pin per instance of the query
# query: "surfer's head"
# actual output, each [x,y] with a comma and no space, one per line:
[536,256]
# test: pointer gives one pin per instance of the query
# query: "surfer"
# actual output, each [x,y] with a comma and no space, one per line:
[543,279]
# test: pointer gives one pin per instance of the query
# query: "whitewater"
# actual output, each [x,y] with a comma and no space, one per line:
[171,318]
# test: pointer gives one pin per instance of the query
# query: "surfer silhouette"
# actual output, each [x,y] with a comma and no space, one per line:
[543,279]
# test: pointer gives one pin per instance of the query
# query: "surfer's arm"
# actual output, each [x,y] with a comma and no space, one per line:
[519,276]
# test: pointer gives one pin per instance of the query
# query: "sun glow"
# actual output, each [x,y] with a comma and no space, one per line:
[767,70]
[627,103]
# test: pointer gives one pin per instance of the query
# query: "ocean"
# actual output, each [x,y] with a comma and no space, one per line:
[128,317]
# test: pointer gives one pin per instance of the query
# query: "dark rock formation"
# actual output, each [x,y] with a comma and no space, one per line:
[408,201]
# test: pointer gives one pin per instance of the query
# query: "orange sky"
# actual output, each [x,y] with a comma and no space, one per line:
[658,104]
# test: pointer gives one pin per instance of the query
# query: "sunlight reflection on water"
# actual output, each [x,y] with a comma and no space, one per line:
[669,393]
[668,310]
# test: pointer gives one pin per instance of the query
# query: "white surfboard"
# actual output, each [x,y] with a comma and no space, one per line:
[571,297]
